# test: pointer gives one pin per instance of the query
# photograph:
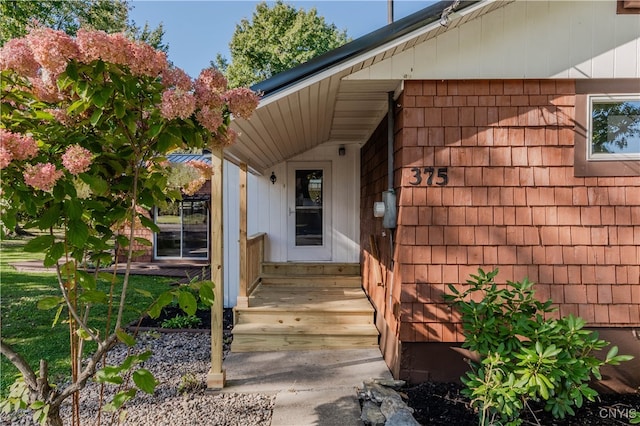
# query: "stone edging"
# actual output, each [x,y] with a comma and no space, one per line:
[382,405]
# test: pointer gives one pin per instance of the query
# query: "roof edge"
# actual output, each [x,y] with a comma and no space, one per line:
[358,46]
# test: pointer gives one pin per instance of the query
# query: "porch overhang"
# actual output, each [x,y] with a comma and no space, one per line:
[322,102]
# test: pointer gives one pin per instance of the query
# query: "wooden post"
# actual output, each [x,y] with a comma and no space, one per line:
[243,299]
[216,375]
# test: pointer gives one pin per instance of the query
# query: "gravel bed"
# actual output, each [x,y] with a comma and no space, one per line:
[180,363]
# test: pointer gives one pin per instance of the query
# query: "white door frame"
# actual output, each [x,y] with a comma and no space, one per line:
[313,252]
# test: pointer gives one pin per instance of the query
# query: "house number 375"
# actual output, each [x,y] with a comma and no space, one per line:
[440,174]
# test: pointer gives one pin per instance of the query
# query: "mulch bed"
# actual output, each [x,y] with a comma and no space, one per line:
[442,404]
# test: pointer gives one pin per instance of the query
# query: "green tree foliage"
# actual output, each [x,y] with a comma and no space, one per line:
[276,39]
[111,16]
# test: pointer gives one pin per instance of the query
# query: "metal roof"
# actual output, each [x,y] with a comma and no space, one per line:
[185,158]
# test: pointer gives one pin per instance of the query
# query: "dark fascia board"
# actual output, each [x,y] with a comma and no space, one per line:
[358,46]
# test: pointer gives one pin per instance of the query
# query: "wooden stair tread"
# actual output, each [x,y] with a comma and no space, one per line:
[326,329]
[306,306]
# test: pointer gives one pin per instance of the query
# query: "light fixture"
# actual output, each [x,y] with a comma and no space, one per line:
[342,151]
[273,178]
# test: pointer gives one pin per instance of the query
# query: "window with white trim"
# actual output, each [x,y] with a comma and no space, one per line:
[607,128]
[614,128]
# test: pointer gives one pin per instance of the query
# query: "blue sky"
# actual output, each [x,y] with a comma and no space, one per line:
[197,30]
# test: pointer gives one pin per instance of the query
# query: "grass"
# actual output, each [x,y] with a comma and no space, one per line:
[31,332]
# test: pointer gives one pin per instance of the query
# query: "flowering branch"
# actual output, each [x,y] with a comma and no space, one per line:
[87,123]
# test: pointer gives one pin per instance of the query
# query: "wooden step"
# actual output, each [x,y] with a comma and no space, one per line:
[302,269]
[260,338]
[309,317]
[330,300]
[305,306]
[313,280]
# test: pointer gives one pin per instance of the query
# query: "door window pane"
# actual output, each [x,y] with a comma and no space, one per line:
[309,223]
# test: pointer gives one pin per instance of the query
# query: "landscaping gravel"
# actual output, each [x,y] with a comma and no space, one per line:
[180,363]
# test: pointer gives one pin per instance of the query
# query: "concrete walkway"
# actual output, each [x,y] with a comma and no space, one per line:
[311,387]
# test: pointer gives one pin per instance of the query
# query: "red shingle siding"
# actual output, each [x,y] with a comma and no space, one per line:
[511,202]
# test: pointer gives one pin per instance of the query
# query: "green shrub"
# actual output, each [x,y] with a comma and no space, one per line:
[182,321]
[523,356]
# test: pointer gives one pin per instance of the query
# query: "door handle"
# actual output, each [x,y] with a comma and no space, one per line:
[291,211]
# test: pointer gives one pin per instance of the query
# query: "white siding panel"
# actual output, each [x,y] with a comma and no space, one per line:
[526,39]
[401,63]
[470,56]
[581,41]
[627,57]
[381,70]
[492,43]
[603,55]
[267,204]
[534,19]
[560,36]
[447,53]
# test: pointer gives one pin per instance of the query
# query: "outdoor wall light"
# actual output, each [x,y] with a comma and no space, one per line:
[342,151]
[273,178]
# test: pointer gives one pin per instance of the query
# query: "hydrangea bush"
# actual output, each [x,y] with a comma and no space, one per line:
[86,126]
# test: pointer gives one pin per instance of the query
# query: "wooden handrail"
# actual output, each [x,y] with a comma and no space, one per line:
[254,256]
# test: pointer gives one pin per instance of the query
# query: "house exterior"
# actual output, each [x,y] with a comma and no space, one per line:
[497,134]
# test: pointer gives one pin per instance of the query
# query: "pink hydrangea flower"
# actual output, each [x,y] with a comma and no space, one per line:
[5,157]
[176,77]
[93,45]
[210,118]
[44,88]
[62,117]
[42,176]
[242,101]
[204,168]
[209,87]
[16,55]
[145,60]
[227,138]
[119,46]
[52,48]
[177,103]
[76,159]
[19,146]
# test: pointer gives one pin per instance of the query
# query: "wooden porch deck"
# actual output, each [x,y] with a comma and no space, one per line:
[305,306]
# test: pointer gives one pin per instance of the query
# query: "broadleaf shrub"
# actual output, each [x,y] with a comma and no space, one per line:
[523,355]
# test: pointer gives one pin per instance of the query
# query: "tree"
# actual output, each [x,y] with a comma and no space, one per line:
[110,16]
[276,39]
[86,125]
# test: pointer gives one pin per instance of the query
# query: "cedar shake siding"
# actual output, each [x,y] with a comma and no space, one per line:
[510,200]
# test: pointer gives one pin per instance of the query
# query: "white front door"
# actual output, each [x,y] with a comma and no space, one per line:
[309,207]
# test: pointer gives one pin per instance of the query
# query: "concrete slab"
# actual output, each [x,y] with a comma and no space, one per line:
[311,387]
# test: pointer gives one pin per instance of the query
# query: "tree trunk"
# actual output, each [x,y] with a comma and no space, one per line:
[53,417]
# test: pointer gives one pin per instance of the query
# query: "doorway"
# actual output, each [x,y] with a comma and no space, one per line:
[309,207]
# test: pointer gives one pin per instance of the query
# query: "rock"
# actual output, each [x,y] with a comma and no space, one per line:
[382,405]
[391,405]
[390,383]
[380,393]
[402,418]
[371,414]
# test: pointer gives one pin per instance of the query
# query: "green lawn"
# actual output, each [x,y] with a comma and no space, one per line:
[30,330]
